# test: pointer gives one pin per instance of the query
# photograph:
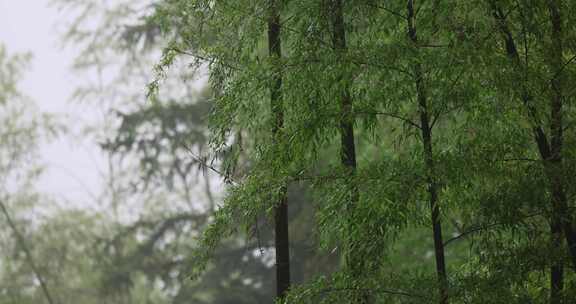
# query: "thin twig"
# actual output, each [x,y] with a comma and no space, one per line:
[393,115]
[387,10]
[379,290]
[485,227]
[563,66]
[27,253]
[202,58]
[204,164]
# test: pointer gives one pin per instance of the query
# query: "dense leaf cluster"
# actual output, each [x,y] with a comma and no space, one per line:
[462,112]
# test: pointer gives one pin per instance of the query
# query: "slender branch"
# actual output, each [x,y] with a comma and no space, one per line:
[484,227]
[470,231]
[520,159]
[28,254]
[427,45]
[439,113]
[379,65]
[202,58]
[562,68]
[393,115]
[387,10]
[378,290]
[357,61]
[204,164]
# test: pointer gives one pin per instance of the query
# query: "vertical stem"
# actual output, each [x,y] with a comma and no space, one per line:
[282,244]
[550,152]
[559,201]
[354,262]
[560,210]
[426,130]
[348,148]
[28,254]
[556,269]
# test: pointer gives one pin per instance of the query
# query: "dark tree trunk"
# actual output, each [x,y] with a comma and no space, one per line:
[550,151]
[560,213]
[282,244]
[354,261]
[557,269]
[426,132]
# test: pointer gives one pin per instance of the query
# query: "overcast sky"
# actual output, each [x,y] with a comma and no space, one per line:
[73,165]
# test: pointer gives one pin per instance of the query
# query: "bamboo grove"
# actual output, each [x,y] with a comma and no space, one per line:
[454,118]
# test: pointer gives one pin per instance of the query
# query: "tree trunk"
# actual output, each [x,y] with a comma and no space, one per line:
[557,269]
[550,151]
[354,262]
[282,244]
[426,132]
[560,212]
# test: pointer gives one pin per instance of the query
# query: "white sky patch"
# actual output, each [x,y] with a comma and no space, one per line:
[75,164]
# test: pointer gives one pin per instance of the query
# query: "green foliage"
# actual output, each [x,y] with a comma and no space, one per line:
[455,100]
[492,181]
